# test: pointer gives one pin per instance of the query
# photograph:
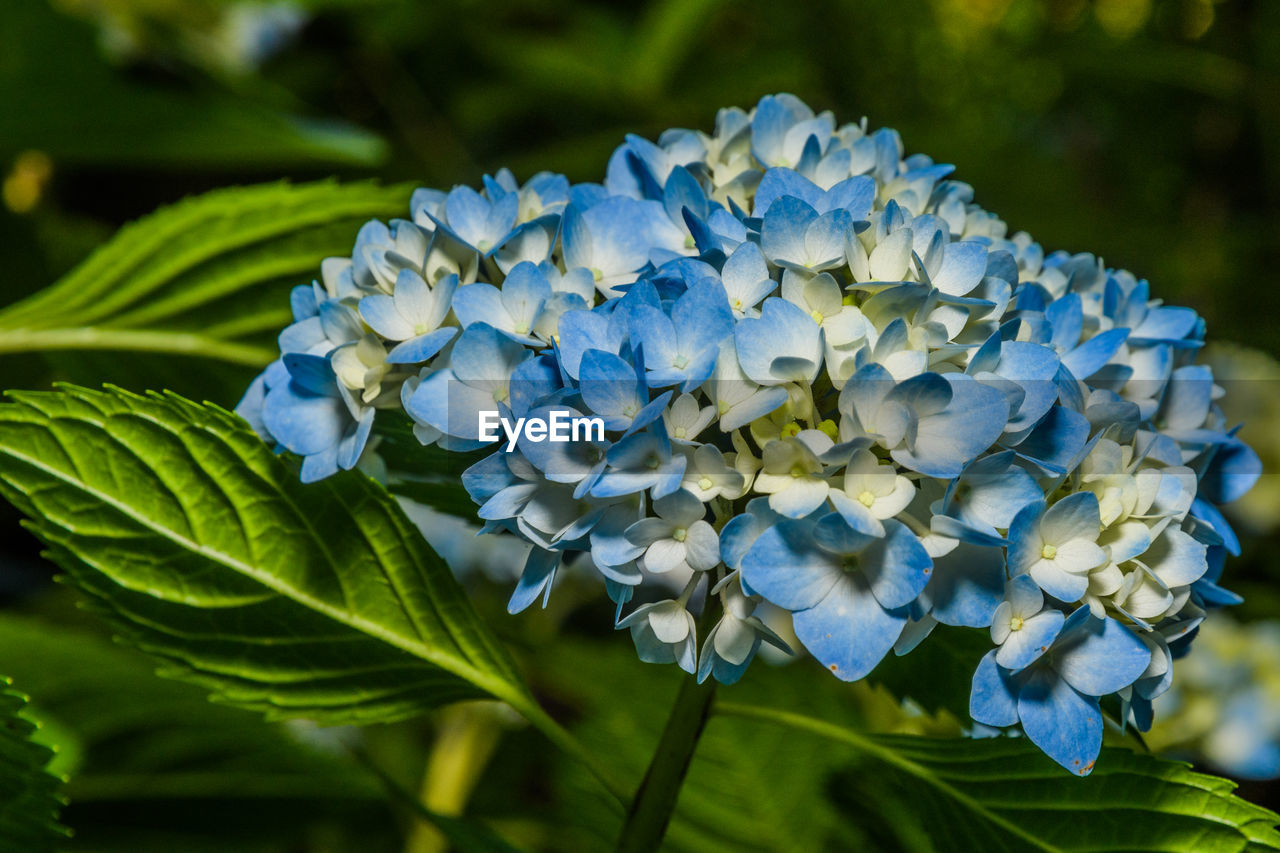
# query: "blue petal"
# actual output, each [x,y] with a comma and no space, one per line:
[654,331]
[783,330]
[1210,515]
[539,572]
[586,330]
[949,440]
[1234,469]
[683,191]
[1066,725]
[1032,366]
[1088,358]
[1024,646]
[782,235]
[421,348]
[487,477]
[1066,318]
[897,567]
[780,182]
[993,696]
[1024,545]
[304,422]
[1165,323]
[608,387]
[702,318]
[963,266]
[967,586]
[312,373]
[1057,440]
[353,443]
[848,631]
[856,195]
[1098,656]
[786,568]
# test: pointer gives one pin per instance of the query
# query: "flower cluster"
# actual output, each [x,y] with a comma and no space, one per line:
[827,380]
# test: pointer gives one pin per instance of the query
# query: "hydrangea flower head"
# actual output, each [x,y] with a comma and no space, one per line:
[829,388]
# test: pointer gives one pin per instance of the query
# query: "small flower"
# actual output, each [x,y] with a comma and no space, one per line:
[732,642]
[664,632]
[708,475]
[514,310]
[794,475]
[1056,698]
[412,315]
[1021,627]
[1058,546]
[678,538]
[872,493]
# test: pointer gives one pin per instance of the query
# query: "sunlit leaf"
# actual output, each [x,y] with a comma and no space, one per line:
[317,601]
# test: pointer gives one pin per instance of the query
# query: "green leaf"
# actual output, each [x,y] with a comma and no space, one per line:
[29,798]
[152,757]
[208,277]
[463,834]
[426,475]
[105,117]
[467,836]
[1004,794]
[320,601]
[749,788]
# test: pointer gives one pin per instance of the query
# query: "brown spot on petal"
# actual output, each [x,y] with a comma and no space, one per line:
[834,667]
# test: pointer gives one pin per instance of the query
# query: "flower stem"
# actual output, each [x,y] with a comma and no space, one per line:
[655,800]
[468,735]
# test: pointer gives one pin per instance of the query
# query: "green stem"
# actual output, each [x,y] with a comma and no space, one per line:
[467,735]
[655,800]
[132,340]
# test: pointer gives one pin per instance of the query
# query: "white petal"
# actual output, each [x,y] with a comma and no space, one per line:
[664,555]
[1078,556]
[671,623]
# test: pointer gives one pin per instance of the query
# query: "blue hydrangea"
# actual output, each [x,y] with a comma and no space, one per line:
[827,381]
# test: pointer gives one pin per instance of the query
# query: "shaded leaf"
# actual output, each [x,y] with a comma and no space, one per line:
[1004,794]
[103,117]
[152,757]
[29,798]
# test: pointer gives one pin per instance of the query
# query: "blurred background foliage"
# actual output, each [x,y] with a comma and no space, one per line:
[1146,131]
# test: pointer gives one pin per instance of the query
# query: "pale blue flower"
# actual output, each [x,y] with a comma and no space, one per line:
[829,382]
[848,591]
[1055,700]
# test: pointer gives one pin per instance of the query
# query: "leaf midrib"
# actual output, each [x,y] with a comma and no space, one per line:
[449,663]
